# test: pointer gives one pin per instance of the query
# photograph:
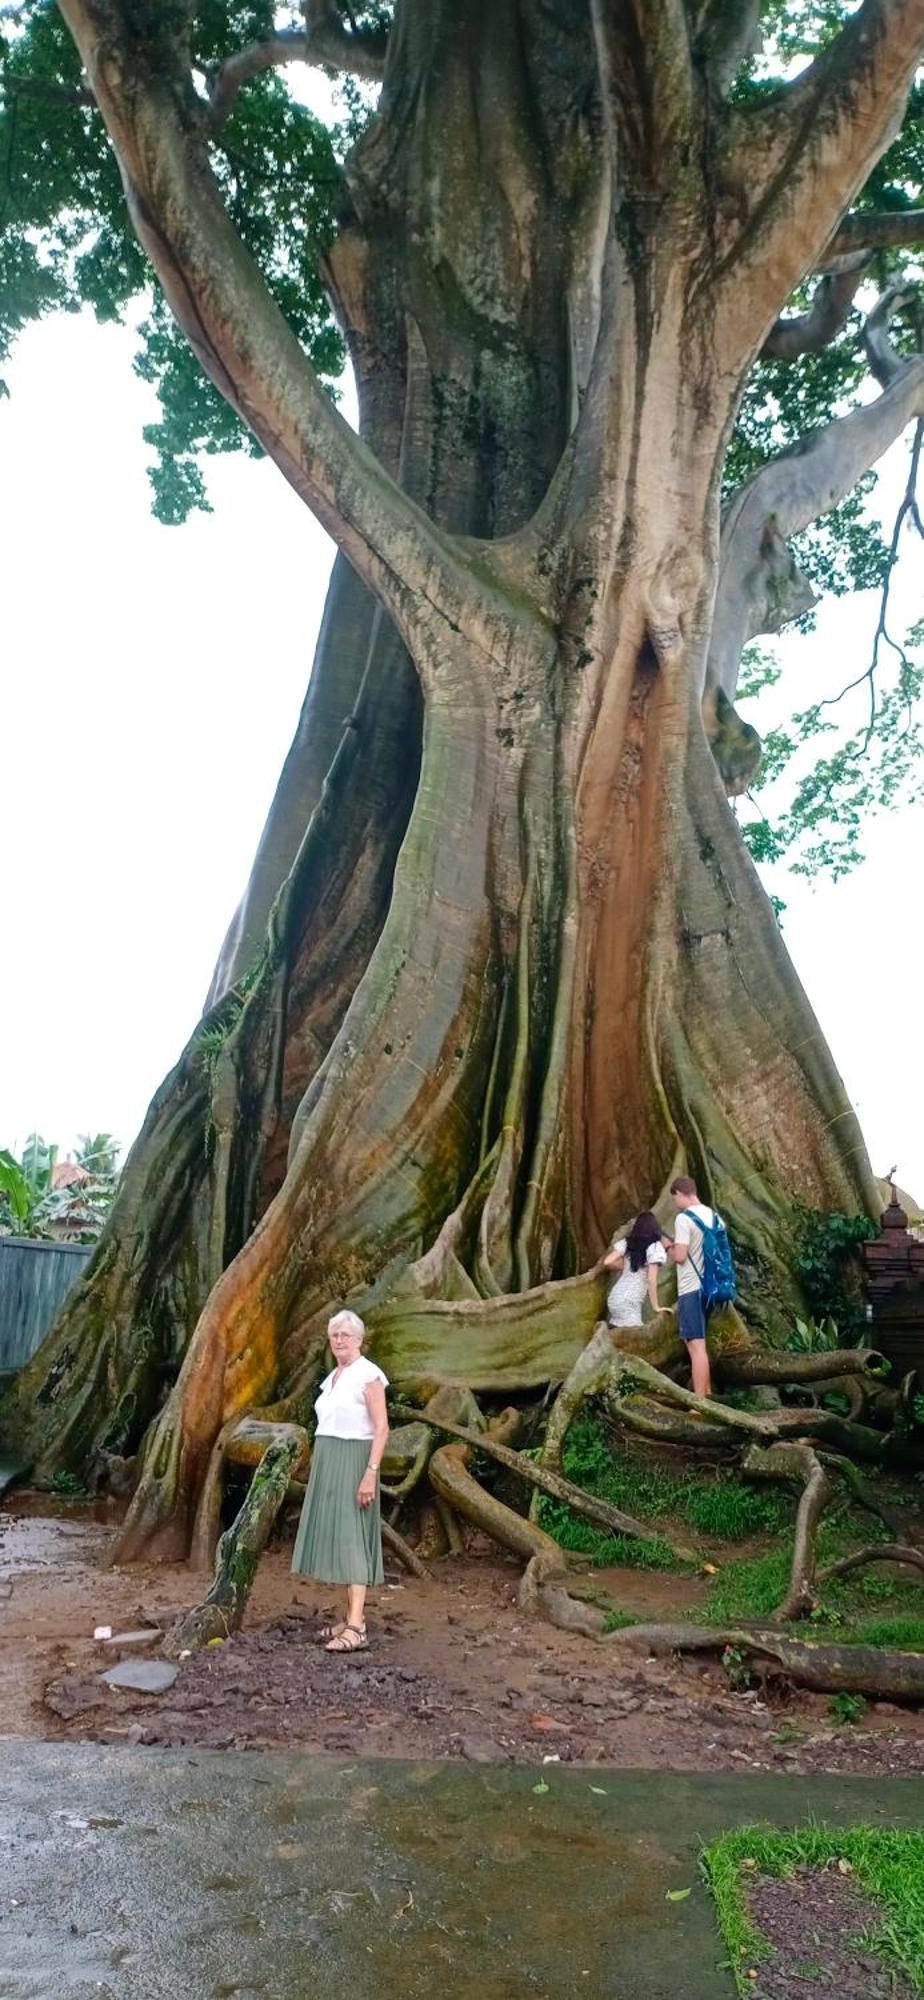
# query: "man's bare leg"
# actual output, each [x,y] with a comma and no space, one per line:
[699,1362]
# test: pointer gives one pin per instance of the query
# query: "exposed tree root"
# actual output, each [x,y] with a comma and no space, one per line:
[881,1672]
[558,1488]
[860,1490]
[760,1365]
[873,1552]
[242,1545]
[796,1462]
[649,1419]
[543,1596]
[405,1554]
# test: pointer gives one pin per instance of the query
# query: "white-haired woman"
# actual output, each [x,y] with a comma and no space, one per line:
[339,1538]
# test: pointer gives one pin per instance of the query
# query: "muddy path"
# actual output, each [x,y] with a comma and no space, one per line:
[453,1670]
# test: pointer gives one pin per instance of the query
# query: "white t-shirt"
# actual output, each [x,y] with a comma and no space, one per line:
[341,1406]
[626,1298]
[690,1272]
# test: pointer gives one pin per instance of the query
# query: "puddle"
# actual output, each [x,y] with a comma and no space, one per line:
[417,1879]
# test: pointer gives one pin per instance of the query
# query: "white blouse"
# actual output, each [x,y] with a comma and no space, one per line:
[341,1407]
[626,1298]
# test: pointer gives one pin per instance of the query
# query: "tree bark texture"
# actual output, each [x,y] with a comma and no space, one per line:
[503,965]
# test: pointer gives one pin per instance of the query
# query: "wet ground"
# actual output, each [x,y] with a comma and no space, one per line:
[147,1875]
[454,1670]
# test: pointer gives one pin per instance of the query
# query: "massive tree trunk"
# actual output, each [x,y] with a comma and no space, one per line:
[504,964]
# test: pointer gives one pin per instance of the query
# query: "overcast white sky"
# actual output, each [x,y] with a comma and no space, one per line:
[151,682]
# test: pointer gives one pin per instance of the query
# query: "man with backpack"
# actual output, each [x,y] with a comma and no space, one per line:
[705,1274]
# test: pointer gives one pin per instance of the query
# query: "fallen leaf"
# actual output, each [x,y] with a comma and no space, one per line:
[600,1791]
[677,1895]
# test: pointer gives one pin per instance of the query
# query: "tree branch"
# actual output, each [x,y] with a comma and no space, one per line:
[908,511]
[725,34]
[217,293]
[802,155]
[760,587]
[892,229]
[72,96]
[323,41]
[809,332]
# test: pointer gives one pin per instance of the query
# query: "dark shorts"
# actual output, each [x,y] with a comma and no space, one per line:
[691,1315]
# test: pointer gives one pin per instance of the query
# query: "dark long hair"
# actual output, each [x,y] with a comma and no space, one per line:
[645,1230]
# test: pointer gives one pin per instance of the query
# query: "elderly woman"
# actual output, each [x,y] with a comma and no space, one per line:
[339,1537]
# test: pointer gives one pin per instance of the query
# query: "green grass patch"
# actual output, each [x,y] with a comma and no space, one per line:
[887,1864]
[714,1503]
[749,1590]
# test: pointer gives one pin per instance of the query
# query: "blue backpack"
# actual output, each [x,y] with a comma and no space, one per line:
[717,1276]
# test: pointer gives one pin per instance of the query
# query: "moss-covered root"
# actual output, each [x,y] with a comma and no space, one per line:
[881,1672]
[242,1545]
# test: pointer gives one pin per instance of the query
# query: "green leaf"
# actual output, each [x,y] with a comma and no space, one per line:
[677,1895]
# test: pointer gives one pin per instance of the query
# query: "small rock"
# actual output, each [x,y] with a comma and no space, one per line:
[143,1676]
[483,1750]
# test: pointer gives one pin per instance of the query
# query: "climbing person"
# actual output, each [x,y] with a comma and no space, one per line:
[705,1274]
[339,1537]
[636,1257]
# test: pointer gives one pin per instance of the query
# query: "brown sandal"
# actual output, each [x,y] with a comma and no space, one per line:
[341,1644]
[329,1631]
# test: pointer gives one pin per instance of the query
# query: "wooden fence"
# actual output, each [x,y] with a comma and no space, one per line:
[35,1278]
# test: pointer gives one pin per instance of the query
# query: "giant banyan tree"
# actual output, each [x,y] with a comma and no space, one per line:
[504,965]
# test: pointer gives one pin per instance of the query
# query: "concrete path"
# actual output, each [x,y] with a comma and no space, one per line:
[149,1875]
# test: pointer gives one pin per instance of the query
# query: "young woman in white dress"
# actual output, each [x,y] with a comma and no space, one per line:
[636,1258]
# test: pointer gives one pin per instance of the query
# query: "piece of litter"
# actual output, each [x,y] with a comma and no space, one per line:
[102,1632]
[551,1760]
[541,1787]
[600,1791]
[186,1653]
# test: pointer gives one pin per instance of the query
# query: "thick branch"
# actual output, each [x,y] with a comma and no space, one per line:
[218,294]
[646,77]
[809,332]
[324,42]
[893,229]
[803,154]
[758,577]
[726,33]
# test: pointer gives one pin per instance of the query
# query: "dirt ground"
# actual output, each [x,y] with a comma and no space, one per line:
[453,1669]
[814,1922]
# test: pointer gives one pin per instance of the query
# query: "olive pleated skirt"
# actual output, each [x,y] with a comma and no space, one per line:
[337,1540]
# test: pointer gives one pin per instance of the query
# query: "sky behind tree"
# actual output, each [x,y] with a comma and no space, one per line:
[149,700]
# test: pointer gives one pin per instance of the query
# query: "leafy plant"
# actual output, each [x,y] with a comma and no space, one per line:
[810,1337]
[827,1266]
[846,1708]
[74,1211]
[735,1666]
[25,1184]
